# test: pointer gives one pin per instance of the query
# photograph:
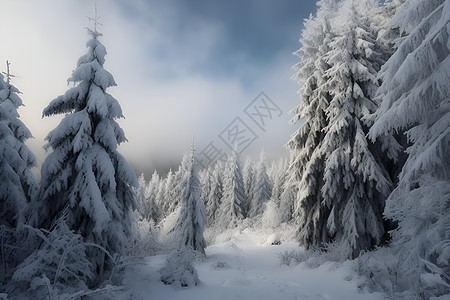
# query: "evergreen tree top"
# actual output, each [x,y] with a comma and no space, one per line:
[95,20]
[8,73]
[7,90]
[90,81]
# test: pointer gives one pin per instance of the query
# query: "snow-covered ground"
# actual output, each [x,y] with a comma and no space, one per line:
[245,266]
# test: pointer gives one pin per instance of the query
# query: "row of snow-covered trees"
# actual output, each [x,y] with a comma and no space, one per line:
[68,230]
[172,210]
[230,192]
[373,152]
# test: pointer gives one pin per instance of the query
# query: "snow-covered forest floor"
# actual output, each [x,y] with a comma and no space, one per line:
[244,265]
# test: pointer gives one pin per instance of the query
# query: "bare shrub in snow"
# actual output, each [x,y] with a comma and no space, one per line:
[59,265]
[220,265]
[381,268]
[179,270]
[292,258]
[314,257]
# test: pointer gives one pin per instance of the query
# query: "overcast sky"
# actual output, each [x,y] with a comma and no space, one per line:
[184,69]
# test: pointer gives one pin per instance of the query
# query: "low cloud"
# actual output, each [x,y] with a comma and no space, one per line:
[167,95]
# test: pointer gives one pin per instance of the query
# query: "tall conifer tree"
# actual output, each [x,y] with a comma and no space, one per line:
[234,205]
[262,191]
[301,199]
[18,185]
[84,173]
[415,102]
[192,219]
[343,184]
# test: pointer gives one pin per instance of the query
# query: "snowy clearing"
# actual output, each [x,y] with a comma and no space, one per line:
[247,267]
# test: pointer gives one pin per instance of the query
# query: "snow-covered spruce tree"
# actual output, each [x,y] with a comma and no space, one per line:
[344,185]
[249,181]
[262,190]
[141,194]
[215,194]
[84,173]
[356,183]
[159,199]
[146,197]
[191,221]
[307,160]
[205,176]
[277,175]
[276,211]
[163,194]
[234,205]
[415,100]
[151,210]
[18,185]
[143,229]
[388,34]
[286,206]
[171,194]
[173,187]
